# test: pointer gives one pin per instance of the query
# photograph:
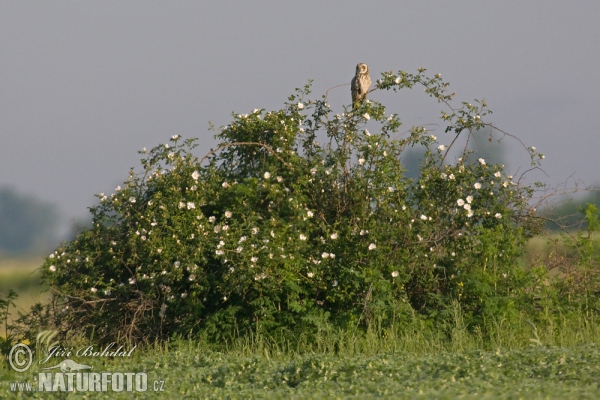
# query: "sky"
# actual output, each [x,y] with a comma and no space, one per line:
[85,85]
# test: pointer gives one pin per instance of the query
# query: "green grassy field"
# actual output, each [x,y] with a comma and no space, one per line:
[191,371]
[559,361]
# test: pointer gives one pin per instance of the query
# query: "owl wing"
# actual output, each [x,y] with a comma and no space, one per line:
[355,90]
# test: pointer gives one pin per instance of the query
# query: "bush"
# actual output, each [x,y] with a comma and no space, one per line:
[274,231]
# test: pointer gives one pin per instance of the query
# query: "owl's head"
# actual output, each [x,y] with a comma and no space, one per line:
[362,68]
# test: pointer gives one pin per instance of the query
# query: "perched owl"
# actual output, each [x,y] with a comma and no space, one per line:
[360,84]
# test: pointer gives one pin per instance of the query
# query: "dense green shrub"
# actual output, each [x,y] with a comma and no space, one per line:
[275,231]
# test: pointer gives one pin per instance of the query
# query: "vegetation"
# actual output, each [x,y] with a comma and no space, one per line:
[291,264]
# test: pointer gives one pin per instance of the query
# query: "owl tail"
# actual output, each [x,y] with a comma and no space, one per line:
[357,102]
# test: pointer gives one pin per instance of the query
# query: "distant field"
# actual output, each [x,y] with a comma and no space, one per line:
[19,274]
[557,252]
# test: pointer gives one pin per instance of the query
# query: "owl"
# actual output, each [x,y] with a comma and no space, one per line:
[360,84]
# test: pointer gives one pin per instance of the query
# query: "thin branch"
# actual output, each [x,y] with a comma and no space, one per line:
[505,133]
[334,87]
[448,149]
[529,170]
[562,228]
[82,299]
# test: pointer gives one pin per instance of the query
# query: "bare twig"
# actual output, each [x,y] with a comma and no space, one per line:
[84,301]
[334,87]
[448,149]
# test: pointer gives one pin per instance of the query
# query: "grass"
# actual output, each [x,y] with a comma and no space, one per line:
[534,372]
[416,365]
[558,358]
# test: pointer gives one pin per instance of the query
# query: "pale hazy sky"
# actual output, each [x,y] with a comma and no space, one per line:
[85,85]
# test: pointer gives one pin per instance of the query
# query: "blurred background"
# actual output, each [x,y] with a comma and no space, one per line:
[85,85]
